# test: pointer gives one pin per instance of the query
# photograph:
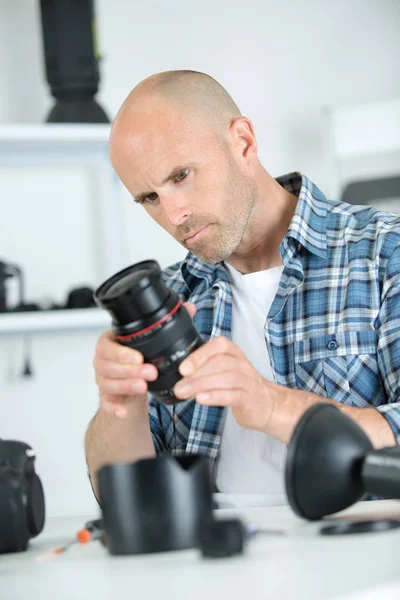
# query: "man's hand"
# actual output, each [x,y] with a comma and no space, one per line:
[121,374]
[219,374]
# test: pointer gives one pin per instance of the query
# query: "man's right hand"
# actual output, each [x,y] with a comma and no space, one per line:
[121,373]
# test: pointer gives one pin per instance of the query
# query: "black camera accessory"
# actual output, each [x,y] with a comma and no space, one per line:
[22,506]
[155,504]
[220,538]
[148,316]
[349,527]
[81,297]
[331,464]
[71,59]
[8,270]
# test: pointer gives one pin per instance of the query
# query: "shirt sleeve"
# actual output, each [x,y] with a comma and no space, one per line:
[388,351]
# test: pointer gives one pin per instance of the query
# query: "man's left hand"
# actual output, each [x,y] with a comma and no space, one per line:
[219,374]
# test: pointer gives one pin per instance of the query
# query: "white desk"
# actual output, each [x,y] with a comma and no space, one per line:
[302,565]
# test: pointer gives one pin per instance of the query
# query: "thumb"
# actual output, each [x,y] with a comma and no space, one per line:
[190,307]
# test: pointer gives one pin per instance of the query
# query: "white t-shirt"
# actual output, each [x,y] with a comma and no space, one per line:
[251,462]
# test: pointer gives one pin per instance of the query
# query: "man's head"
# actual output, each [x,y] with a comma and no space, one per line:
[182,149]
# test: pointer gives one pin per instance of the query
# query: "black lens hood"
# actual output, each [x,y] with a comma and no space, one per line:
[156,504]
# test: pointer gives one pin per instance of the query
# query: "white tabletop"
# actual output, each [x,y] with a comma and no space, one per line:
[300,565]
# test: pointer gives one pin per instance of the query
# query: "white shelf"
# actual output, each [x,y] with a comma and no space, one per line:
[49,143]
[54,133]
[54,320]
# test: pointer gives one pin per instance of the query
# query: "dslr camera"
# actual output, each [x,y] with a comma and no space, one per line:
[22,506]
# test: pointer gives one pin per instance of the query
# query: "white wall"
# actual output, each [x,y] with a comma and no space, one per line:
[281,61]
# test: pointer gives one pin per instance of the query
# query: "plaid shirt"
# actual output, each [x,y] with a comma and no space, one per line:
[333,328]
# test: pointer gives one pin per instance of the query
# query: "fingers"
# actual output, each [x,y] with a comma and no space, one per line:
[121,375]
[121,387]
[109,349]
[220,398]
[217,346]
[227,380]
[120,372]
[191,308]
[220,364]
[115,370]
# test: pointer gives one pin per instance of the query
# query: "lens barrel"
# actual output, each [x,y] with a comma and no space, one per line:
[149,317]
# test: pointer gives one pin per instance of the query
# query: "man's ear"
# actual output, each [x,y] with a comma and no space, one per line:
[243,137]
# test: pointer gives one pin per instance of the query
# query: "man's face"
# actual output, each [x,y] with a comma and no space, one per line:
[188,182]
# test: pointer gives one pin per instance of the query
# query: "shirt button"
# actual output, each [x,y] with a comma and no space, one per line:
[332,345]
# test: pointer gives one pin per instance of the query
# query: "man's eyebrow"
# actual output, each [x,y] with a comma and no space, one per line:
[175,171]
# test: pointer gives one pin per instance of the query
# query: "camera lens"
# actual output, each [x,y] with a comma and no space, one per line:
[149,317]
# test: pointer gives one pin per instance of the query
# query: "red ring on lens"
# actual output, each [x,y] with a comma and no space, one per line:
[150,327]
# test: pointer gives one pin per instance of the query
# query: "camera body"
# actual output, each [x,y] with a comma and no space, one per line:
[22,506]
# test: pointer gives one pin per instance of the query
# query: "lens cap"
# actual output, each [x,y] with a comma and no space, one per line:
[345,527]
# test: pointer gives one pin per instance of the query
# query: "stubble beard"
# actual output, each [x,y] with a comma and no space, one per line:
[225,238]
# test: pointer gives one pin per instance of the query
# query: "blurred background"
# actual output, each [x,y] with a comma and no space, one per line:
[319,80]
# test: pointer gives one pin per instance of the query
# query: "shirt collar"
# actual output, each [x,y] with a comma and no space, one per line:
[308,224]
[193,269]
[308,227]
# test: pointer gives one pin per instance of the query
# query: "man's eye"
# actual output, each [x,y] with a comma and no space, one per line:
[150,198]
[182,175]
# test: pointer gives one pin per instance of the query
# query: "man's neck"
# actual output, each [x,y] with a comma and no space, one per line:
[269,222]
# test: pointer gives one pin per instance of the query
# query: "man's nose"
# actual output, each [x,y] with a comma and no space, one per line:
[176,210]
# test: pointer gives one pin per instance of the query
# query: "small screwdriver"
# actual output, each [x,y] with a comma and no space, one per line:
[92,530]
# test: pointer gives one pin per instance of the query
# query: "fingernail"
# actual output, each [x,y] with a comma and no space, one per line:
[202,396]
[186,367]
[147,371]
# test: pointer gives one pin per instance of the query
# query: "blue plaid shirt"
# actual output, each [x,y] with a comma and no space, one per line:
[333,328]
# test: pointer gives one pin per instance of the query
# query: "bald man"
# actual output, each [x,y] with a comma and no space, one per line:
[297,295]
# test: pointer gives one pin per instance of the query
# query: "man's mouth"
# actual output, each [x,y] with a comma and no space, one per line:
[195,234]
